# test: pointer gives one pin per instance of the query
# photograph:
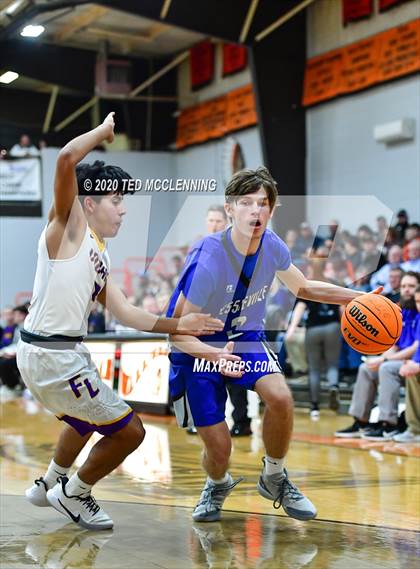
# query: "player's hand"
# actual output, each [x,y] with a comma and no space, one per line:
[229,364]
[109,124]
[409,368]
[377,290]
[197,324]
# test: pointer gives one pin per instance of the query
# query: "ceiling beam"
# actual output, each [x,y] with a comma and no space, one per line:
[50,110]
[283,19]
[174,63]
[248,20]
[165,8]
[80,21]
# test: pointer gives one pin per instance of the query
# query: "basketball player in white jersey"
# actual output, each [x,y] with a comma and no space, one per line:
[72,272]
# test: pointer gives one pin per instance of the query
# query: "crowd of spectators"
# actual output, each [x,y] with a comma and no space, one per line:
[23,149]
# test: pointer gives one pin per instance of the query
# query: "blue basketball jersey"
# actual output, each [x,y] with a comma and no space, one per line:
[231,286]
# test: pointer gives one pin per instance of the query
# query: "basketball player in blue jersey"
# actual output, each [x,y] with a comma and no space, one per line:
[72,272]
[229,274]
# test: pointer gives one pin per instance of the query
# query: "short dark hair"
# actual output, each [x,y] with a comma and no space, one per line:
[411,274]
[21,308]
[247,181]
[113,176]
[219,208]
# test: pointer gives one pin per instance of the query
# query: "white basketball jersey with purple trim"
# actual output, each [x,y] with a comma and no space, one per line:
[65,289]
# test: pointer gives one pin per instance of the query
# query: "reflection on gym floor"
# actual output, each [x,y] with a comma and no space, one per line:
[367,500]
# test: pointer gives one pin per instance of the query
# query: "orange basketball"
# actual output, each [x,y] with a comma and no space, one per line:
[371,324]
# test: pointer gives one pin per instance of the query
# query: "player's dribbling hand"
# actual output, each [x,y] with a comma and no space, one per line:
[197,324]
[229,364]
[109,123]
[377,290]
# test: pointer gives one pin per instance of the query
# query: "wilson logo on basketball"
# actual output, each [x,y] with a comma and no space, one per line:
[361,319]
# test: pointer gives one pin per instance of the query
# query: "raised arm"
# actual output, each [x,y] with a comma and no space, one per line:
[66,191]
[134,317]
[317,291]
[65,184]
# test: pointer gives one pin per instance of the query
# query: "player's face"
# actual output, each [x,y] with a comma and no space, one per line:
[108,215]
[251,213]
[215,222]
[408,286]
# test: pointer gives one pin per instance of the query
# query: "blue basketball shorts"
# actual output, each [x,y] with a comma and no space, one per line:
[199,395]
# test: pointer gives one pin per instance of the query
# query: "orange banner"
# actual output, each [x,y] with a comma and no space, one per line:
[400,51]
[322,77]
[217,117]
[390,54]
[240,109]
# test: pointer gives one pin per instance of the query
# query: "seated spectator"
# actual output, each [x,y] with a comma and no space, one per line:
[412,232]
[372,258]
[150,305]
[322,341]
[393,285]
[8,328]
[384,368]
[352,252]
[9,373]
[410,371]
[381,229]
[290,240]
[361,279]
[401,225]
[24,148]
[380,277]
[143,288]
[413,251]
[364,232]
[306,240]
[96,320]
[390,240]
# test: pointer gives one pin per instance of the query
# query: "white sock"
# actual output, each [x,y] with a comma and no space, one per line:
[76,487]
[273,465]
[53,472]
[223,480]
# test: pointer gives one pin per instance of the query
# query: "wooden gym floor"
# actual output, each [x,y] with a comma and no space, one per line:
[367,495]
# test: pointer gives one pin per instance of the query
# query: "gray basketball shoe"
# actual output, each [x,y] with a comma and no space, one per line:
[211,500]
[283,492]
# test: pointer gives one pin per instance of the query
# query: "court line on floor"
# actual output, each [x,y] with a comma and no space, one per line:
[283,516]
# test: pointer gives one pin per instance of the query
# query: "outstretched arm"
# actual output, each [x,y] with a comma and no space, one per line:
[133,317]
[317,291]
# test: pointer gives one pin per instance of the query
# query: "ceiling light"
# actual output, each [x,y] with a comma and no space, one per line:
[32,31]
[11,9]
[8,77]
